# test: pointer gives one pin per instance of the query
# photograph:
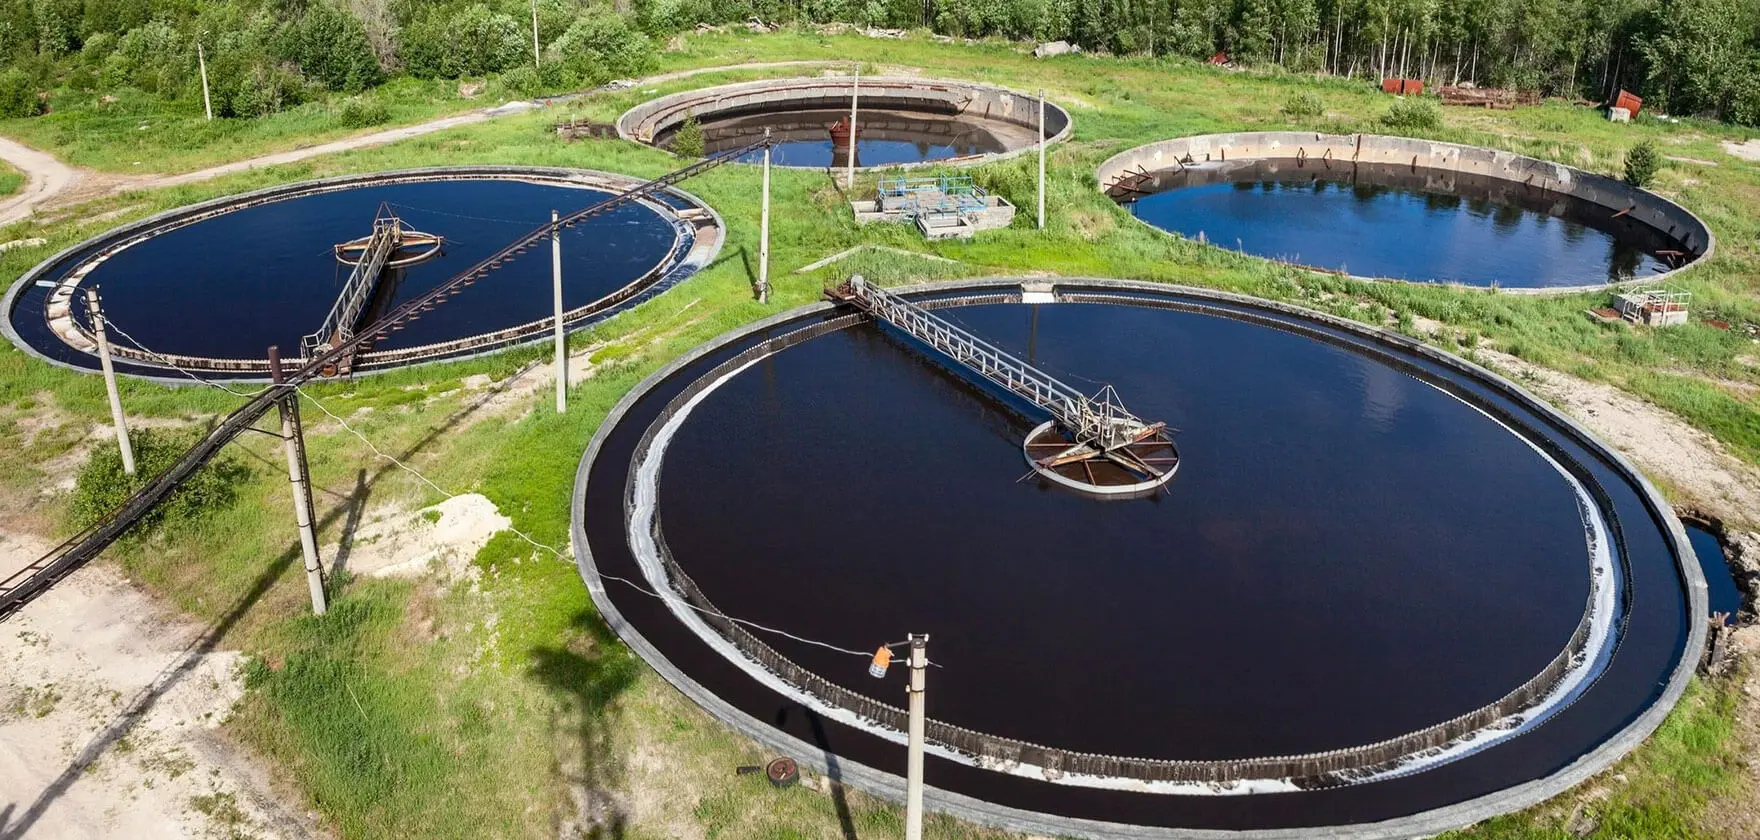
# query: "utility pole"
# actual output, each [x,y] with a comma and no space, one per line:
[116,417]
[202,65]
[1041,216]
[556,295]
[855,92]
[536,60]
[764,230]
[919,665]
[293,441]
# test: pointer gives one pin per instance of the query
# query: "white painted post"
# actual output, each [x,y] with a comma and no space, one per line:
[536,60]
[300,482]
[556,295]
[913,790]
[764,231]
[116,417]
[202,64]
[1041,216]
[855,92]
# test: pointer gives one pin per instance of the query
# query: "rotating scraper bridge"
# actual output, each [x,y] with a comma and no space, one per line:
[336,343]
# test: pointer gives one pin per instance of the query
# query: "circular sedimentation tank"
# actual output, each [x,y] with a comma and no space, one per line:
[210,287]
[901,121]
[1386,593]
[1407,209]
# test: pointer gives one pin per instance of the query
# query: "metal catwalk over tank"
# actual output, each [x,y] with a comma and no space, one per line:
[36,578]
[1099,427]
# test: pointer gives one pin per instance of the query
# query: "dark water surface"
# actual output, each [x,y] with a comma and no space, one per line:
[1397,222]
[1724,596]
[886,137]
[230,286]
[1346,554]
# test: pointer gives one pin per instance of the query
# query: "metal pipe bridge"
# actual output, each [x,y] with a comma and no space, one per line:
[1097,427]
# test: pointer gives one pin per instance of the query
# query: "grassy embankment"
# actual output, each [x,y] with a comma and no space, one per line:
[490,709]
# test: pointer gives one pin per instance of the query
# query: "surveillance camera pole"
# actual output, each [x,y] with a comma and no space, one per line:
[855,93]
[561,332]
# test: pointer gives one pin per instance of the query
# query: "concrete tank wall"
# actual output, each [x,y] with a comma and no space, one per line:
[650,119]
[1615,195]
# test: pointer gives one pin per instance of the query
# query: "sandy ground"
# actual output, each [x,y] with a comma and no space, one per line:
[1693,464]
[443,539]
[109,717]
[1748,150]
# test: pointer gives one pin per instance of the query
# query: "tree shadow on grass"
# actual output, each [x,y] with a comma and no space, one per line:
[587,673]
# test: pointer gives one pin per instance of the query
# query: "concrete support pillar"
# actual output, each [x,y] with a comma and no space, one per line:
[855,93]
[298,477]
[556,296]
[913,791]
[1041,214]
[764,231]
[116,417]
[202,66]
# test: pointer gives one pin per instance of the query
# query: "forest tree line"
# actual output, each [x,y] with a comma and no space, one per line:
[1686,57]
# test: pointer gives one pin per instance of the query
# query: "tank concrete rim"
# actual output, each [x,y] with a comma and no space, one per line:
[1107,490]
[1119,163]
[663,275]
[891,786]
[627,120]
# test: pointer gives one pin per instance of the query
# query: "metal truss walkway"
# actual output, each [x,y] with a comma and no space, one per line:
[1099,426]
[35,579]
[363,279]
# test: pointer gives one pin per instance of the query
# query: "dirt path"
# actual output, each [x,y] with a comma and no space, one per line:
[50,178]
[45,177]
[109,722]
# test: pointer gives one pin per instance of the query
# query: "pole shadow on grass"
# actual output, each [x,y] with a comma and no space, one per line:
[193,654]
[587,673]
[833,765]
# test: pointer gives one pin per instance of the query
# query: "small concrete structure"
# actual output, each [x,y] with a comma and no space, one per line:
[1653,307]
[1139,170]
[941,208]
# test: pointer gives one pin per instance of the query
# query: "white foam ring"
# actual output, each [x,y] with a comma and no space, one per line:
[1604,580]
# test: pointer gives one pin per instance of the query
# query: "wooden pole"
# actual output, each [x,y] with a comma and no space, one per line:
[202,64]
[1041,216]
[764,231]
[116,417]
[855,92]
[293,442]
[556,295]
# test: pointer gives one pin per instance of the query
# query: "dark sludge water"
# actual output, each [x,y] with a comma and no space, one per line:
[1404,223]
[1723,596]
[887,137]
[1348,553]
[231,285]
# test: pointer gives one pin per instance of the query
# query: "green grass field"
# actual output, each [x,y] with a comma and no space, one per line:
[484,710]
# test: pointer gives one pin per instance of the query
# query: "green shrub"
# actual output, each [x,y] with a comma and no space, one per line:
[18,95]
[102,485]
[688,140]
[601,46]
[360,112]
[1411,113]
[1642,161]
[331,47]
[473,41]
[1303,105]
